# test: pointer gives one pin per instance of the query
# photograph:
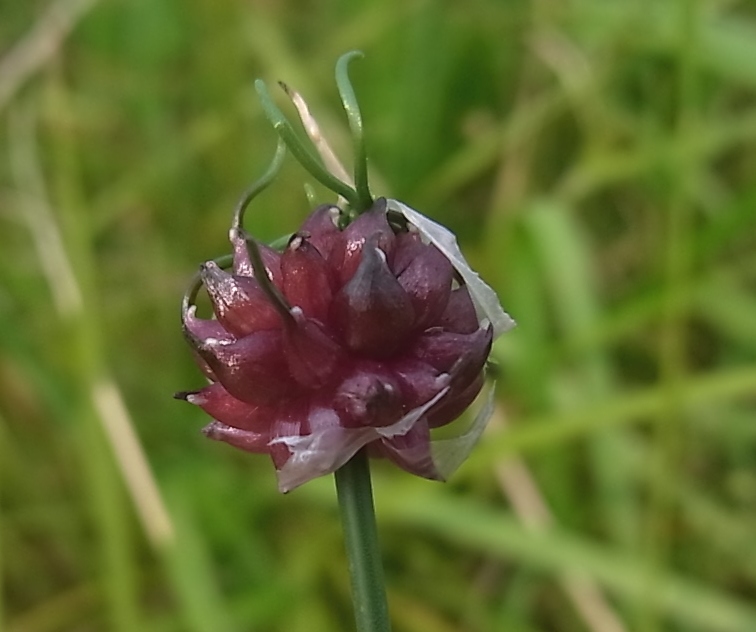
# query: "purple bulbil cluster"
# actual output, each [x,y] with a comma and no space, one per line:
[364,337]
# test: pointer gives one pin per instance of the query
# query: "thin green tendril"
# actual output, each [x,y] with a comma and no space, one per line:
[237,229]
[258,186]
[303,155]
[352,109]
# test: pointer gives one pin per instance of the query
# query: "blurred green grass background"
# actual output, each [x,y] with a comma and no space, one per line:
[596,158]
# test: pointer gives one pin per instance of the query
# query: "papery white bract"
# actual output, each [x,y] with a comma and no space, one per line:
[328,448]
[486,302]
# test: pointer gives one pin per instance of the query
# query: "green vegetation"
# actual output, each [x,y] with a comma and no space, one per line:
[596,158]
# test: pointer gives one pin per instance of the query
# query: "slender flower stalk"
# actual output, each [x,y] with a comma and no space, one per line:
[355,494]
[354,337]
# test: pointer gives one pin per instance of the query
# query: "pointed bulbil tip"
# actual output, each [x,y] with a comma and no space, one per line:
[321,226]
[210,430]
[217,402]
[372,312]
[243,439]
[371,225]
[380,205]
[239,303]
[196,398]
[242,263]
[210,271]
[308,282]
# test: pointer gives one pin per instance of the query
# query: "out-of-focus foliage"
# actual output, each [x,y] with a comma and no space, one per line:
[596,158]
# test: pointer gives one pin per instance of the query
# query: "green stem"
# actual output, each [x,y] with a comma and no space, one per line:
[355,495]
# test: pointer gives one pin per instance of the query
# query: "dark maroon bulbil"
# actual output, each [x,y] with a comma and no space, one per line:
[370,341]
